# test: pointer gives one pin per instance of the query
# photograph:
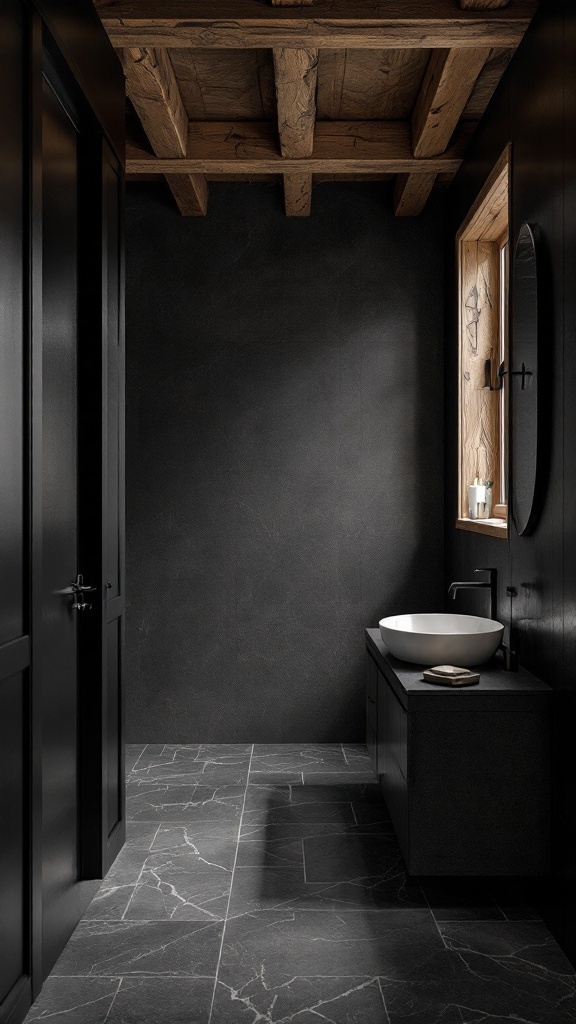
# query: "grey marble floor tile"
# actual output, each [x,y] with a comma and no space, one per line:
[308,750]
[140,834]
[162,1001]
[261,811]
[217,775]
[351,858]
[300,830]
[298,757]
[74,1000]
[132,753]
[268,888]
[357,760]
[517,898]
[272,947]
[525,947]
[303,1000]
[165,754]
[274,853]
[113,948]
[211,843]
[152,750]
[458,899]
[185,804]
[337,778]
[179,886]
[323,924]
[495,972]
[354,750]
[277,778]
[357,792]
[370,813]
[189,765]
[259,796]
[127,866]
[357,804]
[110,902]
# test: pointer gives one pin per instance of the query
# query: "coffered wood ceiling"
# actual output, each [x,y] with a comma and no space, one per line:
[310,90]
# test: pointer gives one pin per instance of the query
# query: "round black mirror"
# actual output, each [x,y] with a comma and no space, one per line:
[523,378]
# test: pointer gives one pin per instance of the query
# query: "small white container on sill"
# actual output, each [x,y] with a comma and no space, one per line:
[476,500]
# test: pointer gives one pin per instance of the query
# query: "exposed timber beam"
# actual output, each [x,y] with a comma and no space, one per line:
[296,76]
[190,192]
[340,147]
[448,83]
[372,24]
[154,92]
[483,5]
[298,194]
[411,192]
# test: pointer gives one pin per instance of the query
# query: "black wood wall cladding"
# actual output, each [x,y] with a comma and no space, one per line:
[284,412]
[535,109]
[68,211]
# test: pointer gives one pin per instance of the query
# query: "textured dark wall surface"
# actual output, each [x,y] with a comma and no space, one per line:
[284,456]
[535,110]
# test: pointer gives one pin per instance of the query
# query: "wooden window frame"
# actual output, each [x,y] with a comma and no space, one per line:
[482,260]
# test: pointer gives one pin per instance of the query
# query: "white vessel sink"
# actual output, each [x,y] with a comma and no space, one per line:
[441,639]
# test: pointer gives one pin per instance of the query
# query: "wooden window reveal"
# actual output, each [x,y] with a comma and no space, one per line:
[482,259]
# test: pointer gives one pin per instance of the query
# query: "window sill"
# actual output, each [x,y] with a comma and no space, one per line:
[490,527]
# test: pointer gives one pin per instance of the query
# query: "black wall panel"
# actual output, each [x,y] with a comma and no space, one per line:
[534,109]
[284,431]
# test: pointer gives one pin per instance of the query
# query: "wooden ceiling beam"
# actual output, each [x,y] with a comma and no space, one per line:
[298,194]
[483,5]
[296,77]
[449,80]
[372,24]
[154,92]
[345,147]
[411,192]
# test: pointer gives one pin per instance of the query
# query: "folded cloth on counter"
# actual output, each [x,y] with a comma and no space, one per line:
[450,675]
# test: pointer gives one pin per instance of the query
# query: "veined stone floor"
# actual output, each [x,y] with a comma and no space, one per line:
[263,884]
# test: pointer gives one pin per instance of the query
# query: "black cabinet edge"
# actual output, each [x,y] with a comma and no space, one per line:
[521,692]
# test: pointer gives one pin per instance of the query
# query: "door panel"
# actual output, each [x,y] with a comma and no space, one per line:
[14,643]
[13,856]
[111,190]
[114,505]
[114,752]
[60,526]
[11,326]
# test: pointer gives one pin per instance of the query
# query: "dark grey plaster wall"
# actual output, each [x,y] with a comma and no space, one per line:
[535,109]
[284,456]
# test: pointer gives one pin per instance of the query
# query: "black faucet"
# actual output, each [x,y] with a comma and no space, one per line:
[489,584]
[510,656]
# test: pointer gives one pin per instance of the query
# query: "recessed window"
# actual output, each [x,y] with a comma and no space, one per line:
[483,257]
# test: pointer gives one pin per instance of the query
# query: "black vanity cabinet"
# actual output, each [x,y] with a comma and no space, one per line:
[465,772]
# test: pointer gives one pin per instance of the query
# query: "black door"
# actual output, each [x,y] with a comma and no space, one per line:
[14,635]
[60,803]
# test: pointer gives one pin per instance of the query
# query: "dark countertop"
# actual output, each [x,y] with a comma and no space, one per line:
[497,690]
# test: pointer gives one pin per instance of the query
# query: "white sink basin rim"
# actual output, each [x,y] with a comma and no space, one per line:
[438,638]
